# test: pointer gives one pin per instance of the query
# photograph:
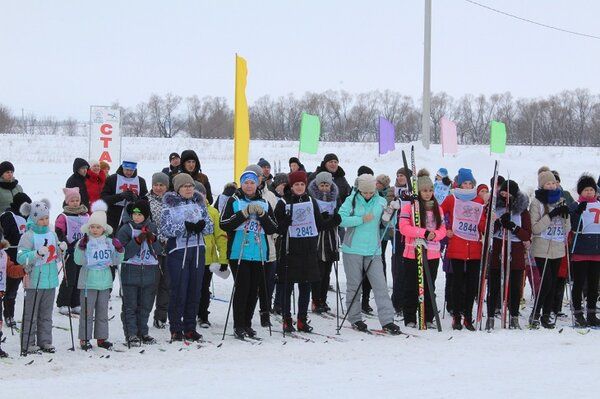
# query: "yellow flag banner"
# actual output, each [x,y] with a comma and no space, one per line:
[241,120]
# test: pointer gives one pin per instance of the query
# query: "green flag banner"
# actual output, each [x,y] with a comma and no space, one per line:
[310,130]
[497,137]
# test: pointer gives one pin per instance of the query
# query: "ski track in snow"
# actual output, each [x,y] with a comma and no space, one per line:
[450,364]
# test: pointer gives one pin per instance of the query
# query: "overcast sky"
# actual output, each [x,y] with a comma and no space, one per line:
[59,57]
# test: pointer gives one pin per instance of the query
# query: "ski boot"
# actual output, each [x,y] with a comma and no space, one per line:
[410,323]
[204,323]
[175,337]
[392,329]
[250,332]
[303,325]
[133,341]
[547,322]
[161,325]
[366,308]
[489,324]
[325,306]
[276,310]
[468,323]
[265,319]
[288,325]
[592,320]
[47,348]
[10,322]
[104,344]
[193,335]
[456,319]
[239,333]
[147,339]
[2,353]
[360,326]
[85,345]
[580,320]
[514,323]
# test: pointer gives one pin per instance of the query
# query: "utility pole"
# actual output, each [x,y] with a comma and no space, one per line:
[425,125]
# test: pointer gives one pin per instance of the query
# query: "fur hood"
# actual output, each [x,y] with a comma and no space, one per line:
[313,191]
[172,199]
[520,204]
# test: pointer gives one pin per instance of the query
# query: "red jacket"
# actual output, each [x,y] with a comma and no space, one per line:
[94,184]
[459,248]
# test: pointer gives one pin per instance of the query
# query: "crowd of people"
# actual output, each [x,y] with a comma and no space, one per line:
[273,232]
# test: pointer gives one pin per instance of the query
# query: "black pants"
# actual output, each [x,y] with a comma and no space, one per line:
[465,284]
[559,294]
[68,294]
[366,287]
[320,288]
[205,294]
[10,296]
[448,292]
[162,291]
[265,292]
[411,290]
[585,272]
[398,275]
[514,295]
[303,299]
[548,284]
[246,291]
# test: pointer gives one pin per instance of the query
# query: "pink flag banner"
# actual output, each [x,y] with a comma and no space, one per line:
[448,136]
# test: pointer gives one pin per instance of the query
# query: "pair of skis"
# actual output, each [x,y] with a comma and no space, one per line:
[421,253]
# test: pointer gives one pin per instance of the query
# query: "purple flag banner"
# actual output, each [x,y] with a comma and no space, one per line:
[386,136]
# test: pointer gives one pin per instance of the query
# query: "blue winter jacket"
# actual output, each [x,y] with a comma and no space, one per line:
[362,238]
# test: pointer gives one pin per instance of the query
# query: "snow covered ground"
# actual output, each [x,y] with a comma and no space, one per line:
[450,364]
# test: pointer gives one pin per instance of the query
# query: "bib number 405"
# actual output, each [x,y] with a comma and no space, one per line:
[102,255]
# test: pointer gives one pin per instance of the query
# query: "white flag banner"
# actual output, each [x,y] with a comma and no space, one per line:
[105,134]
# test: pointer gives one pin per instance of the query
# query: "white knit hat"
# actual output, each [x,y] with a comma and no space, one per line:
[366,183]
[98,217]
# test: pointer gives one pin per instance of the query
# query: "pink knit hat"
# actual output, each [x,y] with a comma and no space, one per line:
[71,193]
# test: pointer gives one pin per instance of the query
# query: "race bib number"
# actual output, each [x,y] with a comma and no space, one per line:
[591,218]
[74,224]
[554,232]
[145,255]
[303,220]
[48,240]
[467,215]
[516,219]
[99,254]
[127,184]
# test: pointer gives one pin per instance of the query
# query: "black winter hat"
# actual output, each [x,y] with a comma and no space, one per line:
[18,200]
[501,180]
[279,179]
[263,163]
[365,170]
[139,206]
[512,187]
[173,155]
[79,163]
[584,182]
[190,155]
[5,167]
[294,160]
[330,157]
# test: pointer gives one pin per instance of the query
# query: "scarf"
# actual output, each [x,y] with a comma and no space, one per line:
[78,210]
[548,196]
[586,199]
[464,194]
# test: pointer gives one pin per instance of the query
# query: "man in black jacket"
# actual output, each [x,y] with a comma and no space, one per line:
[77,179]
[122,188]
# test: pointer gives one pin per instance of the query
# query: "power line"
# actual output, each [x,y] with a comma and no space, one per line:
[533,22]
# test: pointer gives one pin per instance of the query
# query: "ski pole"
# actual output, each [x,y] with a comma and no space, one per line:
[239,262]
[358,290]
[37,286]
[338,299]
[64,263]
[264,273]
[537,297]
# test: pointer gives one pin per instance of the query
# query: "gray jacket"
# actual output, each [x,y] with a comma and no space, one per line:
[540,221]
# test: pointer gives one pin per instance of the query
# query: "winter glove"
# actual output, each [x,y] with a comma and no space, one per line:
[223,268]
[509,225]
[15,271]
[325,215]
[190,226]
[429,235]
[256,209]
[504,218]
[43,251]
[83,242]
[337,219]
[395,204]
[199,226]
[581,207]
[150,237]
[118,246]
[63,246]
[143,236]
[562,211]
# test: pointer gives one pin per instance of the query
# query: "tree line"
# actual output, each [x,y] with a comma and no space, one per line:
[568,118]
